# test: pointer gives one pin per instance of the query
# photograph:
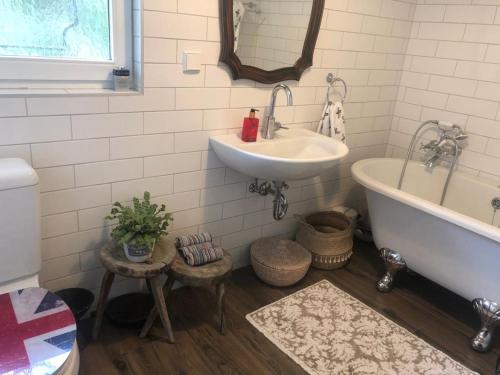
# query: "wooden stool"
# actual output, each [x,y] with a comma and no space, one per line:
[208,275]
[115,262]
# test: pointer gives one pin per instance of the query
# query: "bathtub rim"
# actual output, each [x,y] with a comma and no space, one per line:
[421,204]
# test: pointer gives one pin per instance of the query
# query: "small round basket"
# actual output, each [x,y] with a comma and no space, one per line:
[328,236]
[279,262]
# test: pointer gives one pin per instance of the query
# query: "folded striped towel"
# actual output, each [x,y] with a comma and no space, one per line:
[193,239]
[201,253]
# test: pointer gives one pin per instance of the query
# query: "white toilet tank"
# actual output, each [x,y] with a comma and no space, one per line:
[20,237]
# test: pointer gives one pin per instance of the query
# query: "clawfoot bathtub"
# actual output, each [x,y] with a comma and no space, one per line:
[457,245]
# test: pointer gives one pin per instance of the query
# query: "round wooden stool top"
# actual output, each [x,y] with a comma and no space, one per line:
[207,274]
[114,260]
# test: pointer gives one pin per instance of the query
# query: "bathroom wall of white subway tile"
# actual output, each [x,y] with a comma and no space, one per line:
[90,151]
[452,72]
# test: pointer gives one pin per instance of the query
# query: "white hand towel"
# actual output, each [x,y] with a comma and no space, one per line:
[332,123]
[324,126]
[338,128]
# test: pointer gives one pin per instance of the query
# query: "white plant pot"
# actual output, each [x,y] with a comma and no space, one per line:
[137,255]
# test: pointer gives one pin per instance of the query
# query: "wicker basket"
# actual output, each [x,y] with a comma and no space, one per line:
[328,236]
[279,262]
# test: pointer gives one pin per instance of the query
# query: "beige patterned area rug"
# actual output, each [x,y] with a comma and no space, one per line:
[327,331]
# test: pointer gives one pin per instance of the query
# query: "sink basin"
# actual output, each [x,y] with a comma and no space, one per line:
[291,155]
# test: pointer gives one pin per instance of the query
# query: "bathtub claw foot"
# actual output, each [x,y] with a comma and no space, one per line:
[394,263]
[489,312]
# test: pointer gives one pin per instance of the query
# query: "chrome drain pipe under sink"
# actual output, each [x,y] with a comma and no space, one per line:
[280,203]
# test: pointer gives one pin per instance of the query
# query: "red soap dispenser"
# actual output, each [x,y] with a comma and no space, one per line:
[250,127]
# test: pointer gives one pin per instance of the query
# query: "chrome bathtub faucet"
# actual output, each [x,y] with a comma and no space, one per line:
[448,144]
[270,124]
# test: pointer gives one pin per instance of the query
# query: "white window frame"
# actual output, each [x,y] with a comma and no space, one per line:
[35,72]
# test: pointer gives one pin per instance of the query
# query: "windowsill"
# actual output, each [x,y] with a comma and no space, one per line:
[36,92]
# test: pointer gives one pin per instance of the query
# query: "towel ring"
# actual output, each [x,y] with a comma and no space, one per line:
[330,79]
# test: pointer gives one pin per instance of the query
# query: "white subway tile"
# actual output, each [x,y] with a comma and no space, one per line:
[171,75]
[69,152]
[469,14]
[66,105]
[75,199]
[429,13]
[488,90]
[194,141]
[461,51]
[141,145]
[343,21]
[161,5]
[243,206]
[108,171]
[202,98]
[242,238]
[203,8]
[60,267]
[199,179]
[91,218]
[158,50]
[106,125]
[482,34]
[222,194]
[207,214]
[74,243]
[56,178]
[12,107]
[180,201]
[471,106]
[172,25]
[16,151]
[441,31]
[452,85]
[222,227]
[56,225]
[168,164]
[157,186]
[172,121]
[153,99]
[34,129]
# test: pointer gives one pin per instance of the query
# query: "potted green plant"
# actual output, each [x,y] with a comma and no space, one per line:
[139,227]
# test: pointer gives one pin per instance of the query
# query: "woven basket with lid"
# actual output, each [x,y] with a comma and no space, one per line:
[279,262]
[328,236]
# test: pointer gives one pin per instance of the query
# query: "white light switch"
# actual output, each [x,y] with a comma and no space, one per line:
[192,62]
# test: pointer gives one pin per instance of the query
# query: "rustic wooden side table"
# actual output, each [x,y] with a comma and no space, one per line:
[208,275]
[115,262]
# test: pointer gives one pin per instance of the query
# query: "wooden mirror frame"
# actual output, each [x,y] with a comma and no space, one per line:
[241,71]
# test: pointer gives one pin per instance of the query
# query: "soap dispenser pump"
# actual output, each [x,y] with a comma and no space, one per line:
[250,127]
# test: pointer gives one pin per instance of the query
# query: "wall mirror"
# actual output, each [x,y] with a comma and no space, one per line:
[269,41]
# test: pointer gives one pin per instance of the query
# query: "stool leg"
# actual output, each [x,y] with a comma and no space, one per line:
[162,308]
[221,307]
[107,281]
[154,311]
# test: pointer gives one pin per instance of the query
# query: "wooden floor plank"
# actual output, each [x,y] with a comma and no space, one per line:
[440,317]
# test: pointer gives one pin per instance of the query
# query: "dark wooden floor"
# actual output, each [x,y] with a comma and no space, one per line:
[432,313]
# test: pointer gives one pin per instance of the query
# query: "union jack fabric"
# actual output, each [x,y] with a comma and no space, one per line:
[37,332]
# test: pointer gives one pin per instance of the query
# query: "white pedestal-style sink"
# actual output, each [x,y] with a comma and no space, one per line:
[291,155]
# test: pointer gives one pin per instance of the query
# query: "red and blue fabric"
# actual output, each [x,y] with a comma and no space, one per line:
[37,332]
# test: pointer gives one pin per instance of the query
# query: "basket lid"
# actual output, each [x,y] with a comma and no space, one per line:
[280,254]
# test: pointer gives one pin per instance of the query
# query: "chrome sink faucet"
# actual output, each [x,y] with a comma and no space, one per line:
[270,124]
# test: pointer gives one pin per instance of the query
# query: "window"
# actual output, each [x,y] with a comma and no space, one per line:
[63,43]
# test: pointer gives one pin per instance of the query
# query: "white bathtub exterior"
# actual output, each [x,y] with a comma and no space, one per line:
[454,245]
